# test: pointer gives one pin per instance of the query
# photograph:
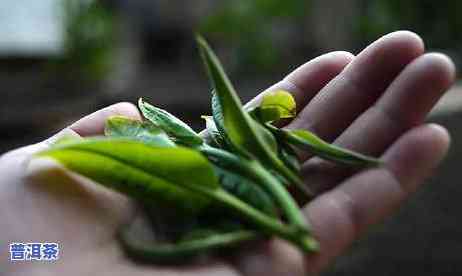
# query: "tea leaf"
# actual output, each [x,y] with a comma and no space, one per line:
[179,178]
[218,118]
[275,105]
[198,242]
[172,177]
[288,155]
[227,109]
[306,140]
[217,115]
[176,177]
[250,138]
[246,135]
[246,190]
[174,127]
[120,126]
[267,138]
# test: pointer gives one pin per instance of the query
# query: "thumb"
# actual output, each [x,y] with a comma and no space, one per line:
[27,151]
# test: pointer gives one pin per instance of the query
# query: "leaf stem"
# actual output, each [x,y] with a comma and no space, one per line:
[267,224]
[290,207]
[293,178]
[257,172]
[323,149]
[174,252]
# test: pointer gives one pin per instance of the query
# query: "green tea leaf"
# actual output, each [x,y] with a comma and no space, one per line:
[174,127]
[173,177]
[246,190]
[199,241]
[176,177]
[267,138]
[217,115]
[229,115]
[250,138]
[120,126]
[306,140]
[288,155]
[281,100]
[275,105]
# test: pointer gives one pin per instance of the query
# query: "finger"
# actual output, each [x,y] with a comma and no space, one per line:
[93,124]
[34,148]
[305,81]
[312,76]
[405,104]
[359,85]
[339,216]
[271,258]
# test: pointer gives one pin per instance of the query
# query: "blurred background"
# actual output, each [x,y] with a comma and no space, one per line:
[62,59]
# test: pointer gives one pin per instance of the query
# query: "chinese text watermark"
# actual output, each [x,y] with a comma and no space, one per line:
[34,251]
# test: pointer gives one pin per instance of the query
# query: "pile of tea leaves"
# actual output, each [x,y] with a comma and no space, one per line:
[210,190]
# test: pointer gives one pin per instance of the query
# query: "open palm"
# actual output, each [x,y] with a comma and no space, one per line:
[374,103]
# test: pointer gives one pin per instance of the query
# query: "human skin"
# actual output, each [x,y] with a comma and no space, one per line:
[374,103]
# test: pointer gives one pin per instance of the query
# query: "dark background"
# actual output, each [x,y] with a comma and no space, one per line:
[123,49]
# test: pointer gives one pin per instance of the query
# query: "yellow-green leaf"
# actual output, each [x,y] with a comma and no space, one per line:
[173,177]
[275,105]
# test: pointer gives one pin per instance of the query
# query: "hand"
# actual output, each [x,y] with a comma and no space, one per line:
[374,103]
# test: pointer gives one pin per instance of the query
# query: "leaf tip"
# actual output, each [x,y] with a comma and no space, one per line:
[200,40]
[140,102]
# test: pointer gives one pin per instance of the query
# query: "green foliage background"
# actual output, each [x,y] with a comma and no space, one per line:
[438,22]
[248,25]
[90,37]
